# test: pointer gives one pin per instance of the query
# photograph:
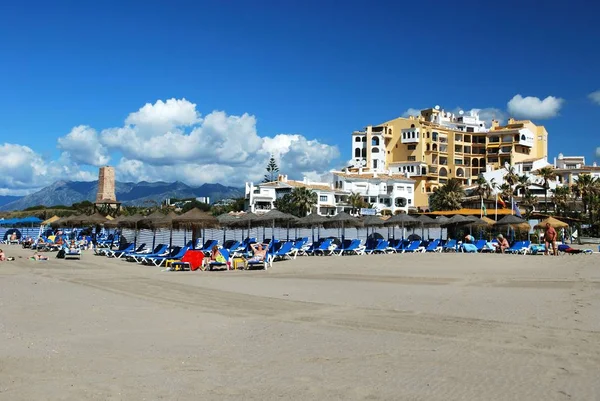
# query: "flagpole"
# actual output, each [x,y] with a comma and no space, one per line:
[496,217]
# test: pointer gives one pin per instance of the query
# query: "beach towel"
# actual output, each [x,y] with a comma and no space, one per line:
[469,248]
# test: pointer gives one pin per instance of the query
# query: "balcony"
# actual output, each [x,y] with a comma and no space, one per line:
[410,135]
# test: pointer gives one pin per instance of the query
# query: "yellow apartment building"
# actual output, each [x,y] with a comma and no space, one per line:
[438,145]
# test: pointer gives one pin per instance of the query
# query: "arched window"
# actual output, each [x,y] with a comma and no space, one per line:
[375,150]
[412,126]
[460,172]
[475,162]
[427,147]
[443,172]
[375,141]
[522,137]
[357,139]
[364,152]
[357,152]
[364,139]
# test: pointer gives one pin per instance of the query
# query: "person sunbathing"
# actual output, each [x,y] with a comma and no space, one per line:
[215,256]
[502,244]
[13,237]
[2,256]
[258,254]
[37,256]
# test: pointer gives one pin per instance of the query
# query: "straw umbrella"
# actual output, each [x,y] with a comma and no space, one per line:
[166,222]
[132,222]
[553,222]
[401,219]
[343,219]
[245,220]
[226,220]
[94,219]
[148,222]
[512,221]
[312,220]
[274,216]
[372,221]
[196,219]
[426,221]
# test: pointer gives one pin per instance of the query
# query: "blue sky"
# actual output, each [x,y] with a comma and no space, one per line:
[316,69]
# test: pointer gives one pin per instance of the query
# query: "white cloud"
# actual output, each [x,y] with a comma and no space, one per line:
[83,146]
[595,97]
[24,170]
[164,116]
[411,112]
[490,113]
[533,107]
[169,141]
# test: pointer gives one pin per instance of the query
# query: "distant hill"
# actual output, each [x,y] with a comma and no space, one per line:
[5,199]
[129,193]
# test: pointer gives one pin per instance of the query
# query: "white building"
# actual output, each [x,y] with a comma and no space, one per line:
[203,199]
[374,151]
[569,168]
[384,191]
[260,198]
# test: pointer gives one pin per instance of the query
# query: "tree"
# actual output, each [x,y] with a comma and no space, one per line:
[547,174]
[523,184]
[205,207]
[560,198]
[448,197]
[483,189]
[272,170]
[285,204]
[585,187]
[511,176]
[529,201]
[303,199]
[84,207]
[356,201]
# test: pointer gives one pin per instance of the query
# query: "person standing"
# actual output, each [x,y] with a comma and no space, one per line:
[550,239]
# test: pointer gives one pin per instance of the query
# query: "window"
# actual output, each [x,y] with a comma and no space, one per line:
[428,135]
[364,152]
[357,139]
[375,150]
[412,158]
[400,202]
[409,190]
[357,152]
[404,135]
[323,198]
[412,126]
[409,201]
[412,147]
[375,141]
[400,188]
[364,139]
[412,169]
[374,163]
[373,199]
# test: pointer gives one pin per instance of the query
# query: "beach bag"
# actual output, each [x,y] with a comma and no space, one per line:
[61,254]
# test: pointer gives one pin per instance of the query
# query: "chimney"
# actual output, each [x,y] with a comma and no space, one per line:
[511,120]
[282,178]
[495,123]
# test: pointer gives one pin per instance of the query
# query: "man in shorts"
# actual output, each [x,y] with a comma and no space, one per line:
[550,239]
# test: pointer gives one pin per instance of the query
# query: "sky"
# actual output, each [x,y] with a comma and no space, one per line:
[200,91]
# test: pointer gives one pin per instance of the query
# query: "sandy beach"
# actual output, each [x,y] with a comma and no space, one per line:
[386,327]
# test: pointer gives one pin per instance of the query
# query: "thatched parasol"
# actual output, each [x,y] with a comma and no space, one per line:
[131,221]
[227,220]
[425,220]
[344,219]
[456,219]
[196,218]
[312,220]
[150,220]
[373,221]
[115,222]
[401,219]
[553,222]
[510,220]
[94,219]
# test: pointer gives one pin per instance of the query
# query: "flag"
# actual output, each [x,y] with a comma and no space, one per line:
[483,208]
[500,201]
[516,209]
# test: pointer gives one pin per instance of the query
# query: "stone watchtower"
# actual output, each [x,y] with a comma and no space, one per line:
[106,200]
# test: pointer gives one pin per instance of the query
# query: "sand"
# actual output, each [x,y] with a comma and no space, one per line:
[387,327]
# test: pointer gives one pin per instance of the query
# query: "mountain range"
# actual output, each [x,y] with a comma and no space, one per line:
[129,193]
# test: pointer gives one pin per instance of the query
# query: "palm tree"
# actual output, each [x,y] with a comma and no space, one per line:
[529,202]
[523,184]
[561,199]
[511,176]
[356,201]
[547,173]
[585,186]
[303,199]
[448,197]
[506,190]
[484,190]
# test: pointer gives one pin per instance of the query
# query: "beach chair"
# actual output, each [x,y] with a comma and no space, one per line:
[450,246]
[160,260]
[433,246]
[191,260]
[285,251]
[413,246]
[127,247]
[380,247]
[74,253]
[121,254]
[516,248]
[159,250]
[213,263]
[324,247]
[207,247]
